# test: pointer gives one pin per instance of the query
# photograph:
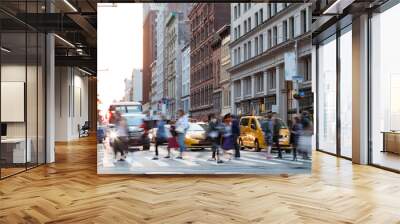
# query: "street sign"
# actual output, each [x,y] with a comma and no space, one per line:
[290,65]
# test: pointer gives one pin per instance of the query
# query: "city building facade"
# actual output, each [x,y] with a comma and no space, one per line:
[217,68]
[137,80]
[185,99]
[176,36]
[149,53]
[158,105]
[205,19]
[225,78]
[261,35]
[128,90]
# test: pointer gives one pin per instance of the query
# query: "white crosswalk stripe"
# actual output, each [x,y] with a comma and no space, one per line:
[158,162]
[258,161]
[187,162]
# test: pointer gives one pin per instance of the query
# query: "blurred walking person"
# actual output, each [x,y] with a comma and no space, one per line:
[305,139]
[161,136]
[172,139]
[214,135]
[120,138]
[236,134]
[227,137]
[267,127]
[296,132]
[276,135]
[182,125]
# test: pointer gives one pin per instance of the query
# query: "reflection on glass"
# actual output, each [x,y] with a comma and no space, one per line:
[13,82]
[385,84]
[327,96]
[346,94]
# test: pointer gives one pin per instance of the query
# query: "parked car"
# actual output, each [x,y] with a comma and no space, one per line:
[252,136]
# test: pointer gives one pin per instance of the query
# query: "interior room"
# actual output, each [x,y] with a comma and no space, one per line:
[385,89]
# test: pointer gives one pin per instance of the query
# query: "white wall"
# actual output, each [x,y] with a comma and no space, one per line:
[71,103]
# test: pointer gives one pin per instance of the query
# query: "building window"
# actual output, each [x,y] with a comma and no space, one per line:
[235,12]
[235,33]
[247,86]
[291,27]
[249,24]
[239,55]
[245,51]
[259,83]
[284,30]
[249,49]
[256,46]
[256,18]
[307,69]
[238,88]
[303,19]
[245,26]
[269,10]
[269,39]
[274,8]
[239,9]
[261,12]
[261,44]
[274,36]
[272,79]
[239,31]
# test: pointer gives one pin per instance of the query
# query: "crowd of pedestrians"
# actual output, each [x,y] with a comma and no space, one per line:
[223,134]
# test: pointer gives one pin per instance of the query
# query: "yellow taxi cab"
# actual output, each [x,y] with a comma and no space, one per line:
[196,136]
[252,136]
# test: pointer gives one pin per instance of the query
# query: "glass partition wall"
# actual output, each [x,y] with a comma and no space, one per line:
[385,89]
[22,77]
[334,98]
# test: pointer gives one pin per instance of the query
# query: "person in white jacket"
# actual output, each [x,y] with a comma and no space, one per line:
[182,125]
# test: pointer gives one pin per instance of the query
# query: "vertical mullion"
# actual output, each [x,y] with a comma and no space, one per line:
[338,95]
[37,90]
[316,97]
[26,87]
[0,94]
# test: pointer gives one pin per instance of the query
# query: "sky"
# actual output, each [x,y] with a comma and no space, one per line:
[119,47]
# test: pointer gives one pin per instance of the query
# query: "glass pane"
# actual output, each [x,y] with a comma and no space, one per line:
[31,97]
[13,87]
[385,84]
[41,98]
[346,94]
[327,96]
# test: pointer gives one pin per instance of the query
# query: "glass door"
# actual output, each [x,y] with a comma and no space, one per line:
[327,126]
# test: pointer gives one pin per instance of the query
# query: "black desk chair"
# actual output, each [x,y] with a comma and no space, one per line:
[84,130]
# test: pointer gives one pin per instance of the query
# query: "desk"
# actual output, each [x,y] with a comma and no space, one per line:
[13,150]
[391,141]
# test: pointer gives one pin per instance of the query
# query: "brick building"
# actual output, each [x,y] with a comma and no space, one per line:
[205,20]
[149,54]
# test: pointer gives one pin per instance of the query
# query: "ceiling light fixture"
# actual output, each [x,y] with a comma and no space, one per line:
[64,40]
[5,50]
[70,5]
[338,6]
[84,71]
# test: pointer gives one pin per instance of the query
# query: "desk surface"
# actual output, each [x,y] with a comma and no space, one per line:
[13,140]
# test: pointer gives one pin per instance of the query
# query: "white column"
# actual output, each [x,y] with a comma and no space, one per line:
[50,99]
[281,94]
[277,87]
[241,89]
[253,86]
[265,73]
[360,90]
[233,105]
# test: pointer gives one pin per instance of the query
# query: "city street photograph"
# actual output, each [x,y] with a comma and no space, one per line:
[204,88]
